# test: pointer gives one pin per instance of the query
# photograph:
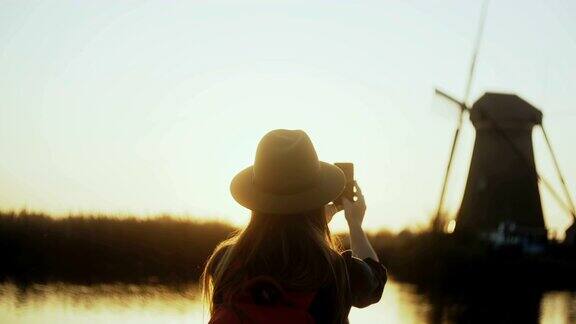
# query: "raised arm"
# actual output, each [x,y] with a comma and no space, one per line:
[354,212]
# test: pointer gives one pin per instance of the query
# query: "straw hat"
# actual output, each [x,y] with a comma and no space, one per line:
[287,176]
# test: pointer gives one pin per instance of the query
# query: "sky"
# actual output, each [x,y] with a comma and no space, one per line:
[150,107]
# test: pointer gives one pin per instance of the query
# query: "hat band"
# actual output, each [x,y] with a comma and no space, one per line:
[285,187]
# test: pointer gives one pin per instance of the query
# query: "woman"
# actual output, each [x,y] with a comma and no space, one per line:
[285,267]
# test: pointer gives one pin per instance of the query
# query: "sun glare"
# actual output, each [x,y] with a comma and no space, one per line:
[451,226]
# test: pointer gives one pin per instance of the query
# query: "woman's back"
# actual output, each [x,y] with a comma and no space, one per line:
[363,280]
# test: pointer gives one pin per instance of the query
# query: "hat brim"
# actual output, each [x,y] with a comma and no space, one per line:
[331,184]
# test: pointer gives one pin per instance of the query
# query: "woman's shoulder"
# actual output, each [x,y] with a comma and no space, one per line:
[367,278]
[353,261]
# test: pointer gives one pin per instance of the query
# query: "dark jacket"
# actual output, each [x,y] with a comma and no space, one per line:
[366,280]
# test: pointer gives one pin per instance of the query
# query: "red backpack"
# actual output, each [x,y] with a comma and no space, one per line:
[262,300]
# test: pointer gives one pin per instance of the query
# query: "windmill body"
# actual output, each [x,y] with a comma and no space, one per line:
[502,185]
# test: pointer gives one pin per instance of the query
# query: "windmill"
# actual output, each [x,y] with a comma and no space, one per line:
[502,184]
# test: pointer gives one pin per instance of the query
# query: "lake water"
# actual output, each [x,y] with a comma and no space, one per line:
[401,303]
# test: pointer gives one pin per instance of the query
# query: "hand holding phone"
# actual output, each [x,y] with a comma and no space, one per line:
[348,169]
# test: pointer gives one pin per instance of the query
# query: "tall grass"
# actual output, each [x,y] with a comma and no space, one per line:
[89,249]
[98,249]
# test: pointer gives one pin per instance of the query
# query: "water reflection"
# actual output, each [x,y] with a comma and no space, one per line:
[61,303]
[401,303]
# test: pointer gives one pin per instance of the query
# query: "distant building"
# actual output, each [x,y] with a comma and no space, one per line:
[508,234]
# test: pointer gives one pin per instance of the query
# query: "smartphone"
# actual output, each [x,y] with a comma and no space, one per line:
[348,169]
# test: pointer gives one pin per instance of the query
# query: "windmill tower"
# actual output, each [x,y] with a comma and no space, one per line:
[502,185]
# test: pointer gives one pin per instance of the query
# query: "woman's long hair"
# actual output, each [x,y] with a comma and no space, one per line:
[296,250]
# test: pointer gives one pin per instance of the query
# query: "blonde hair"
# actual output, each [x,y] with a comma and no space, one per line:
[296,250]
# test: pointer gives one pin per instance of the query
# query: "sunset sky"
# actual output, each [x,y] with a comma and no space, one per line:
[151,107]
